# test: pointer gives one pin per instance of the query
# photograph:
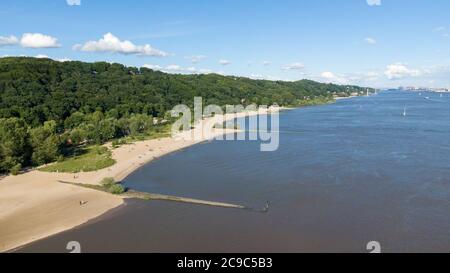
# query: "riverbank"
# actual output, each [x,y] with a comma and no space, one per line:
[344,98]
[35,205]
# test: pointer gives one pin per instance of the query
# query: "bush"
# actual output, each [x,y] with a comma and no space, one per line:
[111,186]
[108,182]
[16,169]
[115,144]
[116,189]
[118,142]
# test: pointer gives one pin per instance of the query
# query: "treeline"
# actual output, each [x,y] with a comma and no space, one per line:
[22,145]
[48,106]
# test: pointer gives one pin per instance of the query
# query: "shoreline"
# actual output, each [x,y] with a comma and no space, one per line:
[35,205]
[345,98]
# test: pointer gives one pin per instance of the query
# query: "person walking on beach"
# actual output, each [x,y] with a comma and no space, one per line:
[266,207]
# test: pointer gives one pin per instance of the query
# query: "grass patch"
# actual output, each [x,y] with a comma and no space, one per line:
[119,142]
[158,131]
[86,159]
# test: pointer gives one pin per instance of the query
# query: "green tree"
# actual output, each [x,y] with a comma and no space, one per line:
[75,120]
[139,124]
[45,143]
[14,144]
[78,136]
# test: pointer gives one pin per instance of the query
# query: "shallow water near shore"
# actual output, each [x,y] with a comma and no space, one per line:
[345,174]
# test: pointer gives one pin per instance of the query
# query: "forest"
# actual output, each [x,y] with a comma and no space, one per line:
[47,107]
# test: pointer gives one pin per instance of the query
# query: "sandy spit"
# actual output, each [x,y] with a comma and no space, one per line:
[35,205]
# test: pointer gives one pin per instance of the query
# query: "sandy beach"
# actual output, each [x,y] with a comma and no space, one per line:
[36,205]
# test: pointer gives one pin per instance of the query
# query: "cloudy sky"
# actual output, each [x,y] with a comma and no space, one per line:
[379,43]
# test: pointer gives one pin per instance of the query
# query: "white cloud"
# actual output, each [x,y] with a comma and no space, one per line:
[442,31]
[152,66]
[258,77]
[293,66]
[372,76]
[374,2]
[73,2]
[178,69]
[207,71]
[370,41]
[31,40]
[267,77]
[11,40]
[266,63]
[174,68]
[224,62]
[38,40]
[43,56]
[400,71]
[110,43]
[62,60]
[437,69]
[195,58]
[330,77]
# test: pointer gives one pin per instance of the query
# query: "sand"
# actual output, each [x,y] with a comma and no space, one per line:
[36,205]
[345,98]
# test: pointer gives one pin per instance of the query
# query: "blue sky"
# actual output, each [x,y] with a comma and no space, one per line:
[380,43]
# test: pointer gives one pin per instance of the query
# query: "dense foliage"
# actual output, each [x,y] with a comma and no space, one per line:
[47,106]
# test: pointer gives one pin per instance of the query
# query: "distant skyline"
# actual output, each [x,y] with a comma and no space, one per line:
[377,43]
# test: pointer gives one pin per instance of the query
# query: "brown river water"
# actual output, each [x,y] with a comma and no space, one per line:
[345,174]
